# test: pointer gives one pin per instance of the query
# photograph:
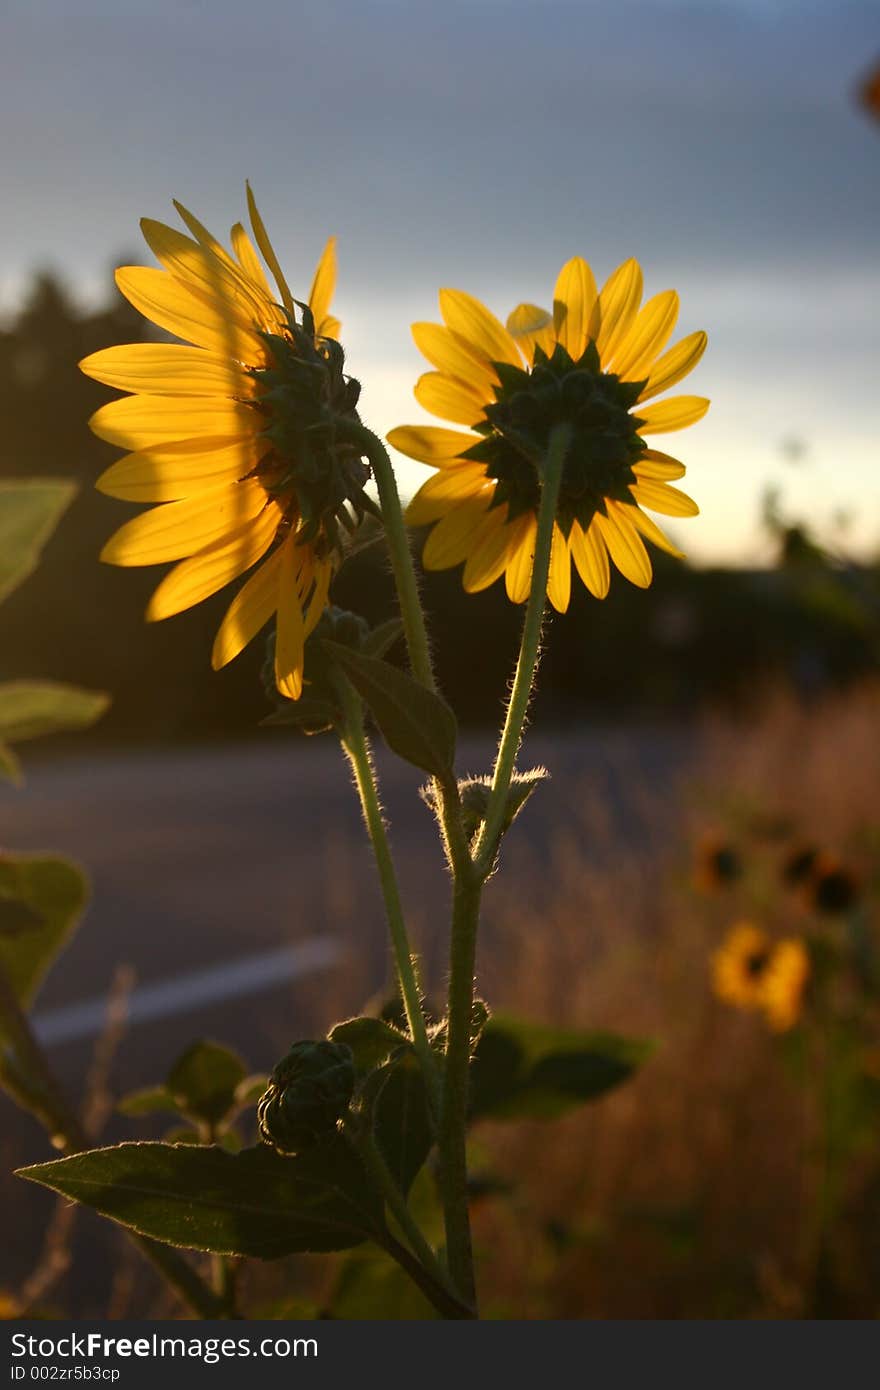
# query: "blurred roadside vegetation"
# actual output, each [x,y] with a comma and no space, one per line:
[718,637]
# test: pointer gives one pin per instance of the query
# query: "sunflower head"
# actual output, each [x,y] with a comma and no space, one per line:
[590,365]
[784,984]
[740,964]
[233,435]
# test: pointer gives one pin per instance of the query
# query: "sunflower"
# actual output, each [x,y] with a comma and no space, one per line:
[590,363]
[752,972]
[784,983]
[229,435]
[740,964]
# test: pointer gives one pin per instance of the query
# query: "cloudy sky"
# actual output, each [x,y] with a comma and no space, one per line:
[478,144]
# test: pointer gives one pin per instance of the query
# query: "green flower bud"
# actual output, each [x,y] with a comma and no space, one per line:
[308,1093]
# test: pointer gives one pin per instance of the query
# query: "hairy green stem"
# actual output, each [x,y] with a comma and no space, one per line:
[384,1180]
[523,681]
[468,889]
[453,1124]
[30,1082]
[412,615]
[357,749]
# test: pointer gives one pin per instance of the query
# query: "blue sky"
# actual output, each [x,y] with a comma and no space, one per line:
[479,144]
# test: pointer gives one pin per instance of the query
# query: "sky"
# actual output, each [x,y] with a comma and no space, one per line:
[479,144]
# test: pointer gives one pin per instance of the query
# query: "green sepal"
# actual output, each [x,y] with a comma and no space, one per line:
[525,1069]
[254,1203]
[416,724]
[44,899]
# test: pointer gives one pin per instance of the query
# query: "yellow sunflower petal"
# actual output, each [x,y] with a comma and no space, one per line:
[330,327]
[248,259]
[530,326]
[559,577]
[168,369]
[675,413]
[323,285]
[574,299]
[450,354]
[214,567]
[248,612]
[449,398]
[172,471]
[430,444]
[178,529]
[201,270]
[488,552]
[625,547]
[267,252]
[445,489]
[617,307]
[170,305]
[590,556]
[318,600]
[675,364]
[449,541]
[518,577]
[660,497]
[651,531]
[137,422]
[661,467]
[648,336]
[478,326]
[290,636]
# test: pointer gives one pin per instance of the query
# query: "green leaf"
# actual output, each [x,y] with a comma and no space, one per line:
[371,1040]
[10,767]
[370,1285]
[30,509]
[402,1119]
[249,1090]
[29,709]
[381,639]
[204,1080]
[43,899]
[151,1100]
[530,1069]
[252,1203]
[415,723]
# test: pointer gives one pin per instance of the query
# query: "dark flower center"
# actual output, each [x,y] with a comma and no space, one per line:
[314,472]
[529,404]
[756,963]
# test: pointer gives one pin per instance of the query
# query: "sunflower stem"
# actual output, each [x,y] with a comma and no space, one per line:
[527,662]
[357,750]
[30,1082]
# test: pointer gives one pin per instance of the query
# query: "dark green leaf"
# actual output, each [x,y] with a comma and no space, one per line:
[414,722]
[152,1100]
[252,1203]
[53,893]
[29,709]
[402,1119]
[371,1040]
[204,1080]
[381,639]
[30,509]
[524,1069]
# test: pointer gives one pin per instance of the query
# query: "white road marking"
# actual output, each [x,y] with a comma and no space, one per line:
[164,998]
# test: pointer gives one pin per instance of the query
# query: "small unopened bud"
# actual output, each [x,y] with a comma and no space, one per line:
[308,1093]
